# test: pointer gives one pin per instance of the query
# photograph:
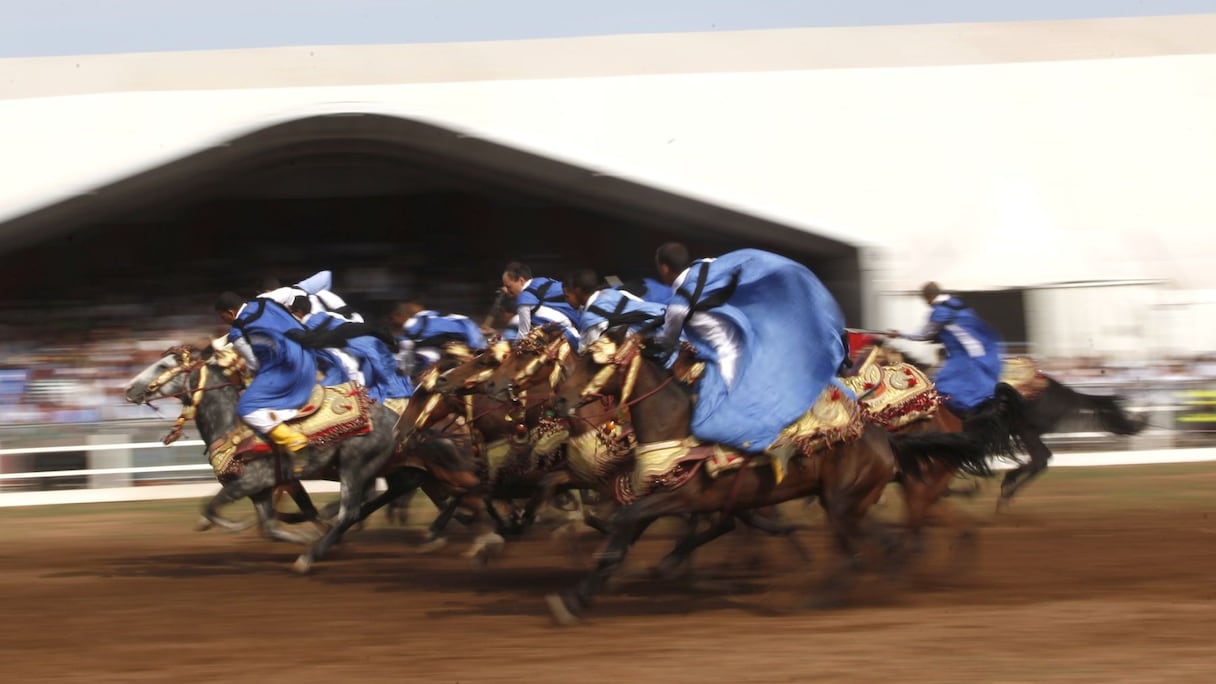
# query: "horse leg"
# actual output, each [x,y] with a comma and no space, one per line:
[546,490]
[398,483]
[777,529]
[211,512]
[434,538]
[263,501]
[627,526]
[1018,477]
[356,474]
[488,544]
[308,511]
[678,558]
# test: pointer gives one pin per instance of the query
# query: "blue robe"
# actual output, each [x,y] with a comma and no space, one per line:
[972,369]
[611,307]
[429,329]
[789,330]
[656,292]
[286,371]
[375,359]
[544,301]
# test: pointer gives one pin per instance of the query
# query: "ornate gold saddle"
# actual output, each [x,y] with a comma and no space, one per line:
[1022,374]
[330,415]
[894,395]
[833,419]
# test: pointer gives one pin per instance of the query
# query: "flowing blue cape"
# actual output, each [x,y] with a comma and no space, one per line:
[286,372]
[428,327]
[972,369]
[613,306]
[376,361]
[790,331]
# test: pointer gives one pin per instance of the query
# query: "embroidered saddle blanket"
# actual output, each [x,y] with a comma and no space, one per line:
[893,395]
[330,415]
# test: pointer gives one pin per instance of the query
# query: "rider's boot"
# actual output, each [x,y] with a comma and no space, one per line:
[294,442]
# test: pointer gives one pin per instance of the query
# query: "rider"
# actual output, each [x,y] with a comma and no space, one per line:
[422,333]
[601,307]
[538,301]
[317,287]
[972,368]
[285,372]
[769,332]
[374,365]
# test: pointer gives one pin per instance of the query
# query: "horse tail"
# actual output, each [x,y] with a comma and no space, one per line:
[1058,401]
[996,425]
[1109,413]
[955,450]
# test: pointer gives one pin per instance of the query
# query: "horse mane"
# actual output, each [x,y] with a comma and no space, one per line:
[994,424]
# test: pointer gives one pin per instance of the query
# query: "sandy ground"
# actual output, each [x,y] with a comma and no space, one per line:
[1096,576]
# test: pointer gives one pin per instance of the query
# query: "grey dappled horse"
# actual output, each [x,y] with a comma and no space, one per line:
[209,382]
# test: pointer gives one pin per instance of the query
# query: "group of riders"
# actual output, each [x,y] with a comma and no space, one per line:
[771,337]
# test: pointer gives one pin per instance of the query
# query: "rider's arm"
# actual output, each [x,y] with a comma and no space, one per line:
[525,319]
[591,333]
[242,347]
[669,335]
[929,333]
[317,282]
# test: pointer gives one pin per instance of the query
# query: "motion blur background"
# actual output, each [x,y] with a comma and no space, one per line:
[1051,161]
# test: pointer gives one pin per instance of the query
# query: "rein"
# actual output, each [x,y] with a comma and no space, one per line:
[190,397]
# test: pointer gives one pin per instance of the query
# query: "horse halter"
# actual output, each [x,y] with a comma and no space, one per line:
[625,358]
[231,365]
[555,352]
[490,359]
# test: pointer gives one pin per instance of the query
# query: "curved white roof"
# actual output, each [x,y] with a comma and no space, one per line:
[968,151]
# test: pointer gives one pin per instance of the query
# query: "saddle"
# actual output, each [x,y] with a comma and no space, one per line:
[330,415]
[1023,375]
[894,395]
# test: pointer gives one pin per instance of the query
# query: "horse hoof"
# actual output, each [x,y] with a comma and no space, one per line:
[432,545]
[303,565]
[560,612]
[203,525]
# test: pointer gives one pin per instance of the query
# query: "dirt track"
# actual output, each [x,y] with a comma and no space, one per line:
[1096,577]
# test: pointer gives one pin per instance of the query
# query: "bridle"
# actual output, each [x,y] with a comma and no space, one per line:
[624,359]
[556,352]
[233,373]
[489,360]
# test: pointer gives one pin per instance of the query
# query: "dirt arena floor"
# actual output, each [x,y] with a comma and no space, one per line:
[1096,576]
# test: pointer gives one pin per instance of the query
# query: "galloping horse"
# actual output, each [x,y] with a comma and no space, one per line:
[1045,403]
[207,382]
[599,442]
[848,477]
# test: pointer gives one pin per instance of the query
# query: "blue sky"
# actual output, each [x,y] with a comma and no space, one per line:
[30,28]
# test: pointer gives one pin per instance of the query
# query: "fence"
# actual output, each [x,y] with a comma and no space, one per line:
[125,460]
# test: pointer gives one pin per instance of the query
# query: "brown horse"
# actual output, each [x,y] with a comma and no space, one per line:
[600,445]
[847,477]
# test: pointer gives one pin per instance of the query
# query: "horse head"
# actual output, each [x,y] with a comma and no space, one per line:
[608,368]
[166,377]
[463,374]
[539,356]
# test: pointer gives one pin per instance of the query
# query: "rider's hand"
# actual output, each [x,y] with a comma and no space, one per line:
[892,334]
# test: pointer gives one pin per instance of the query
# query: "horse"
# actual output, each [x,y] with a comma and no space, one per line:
[504,467]
[1045,403]
[356,461]
[601,441]
[847,476]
